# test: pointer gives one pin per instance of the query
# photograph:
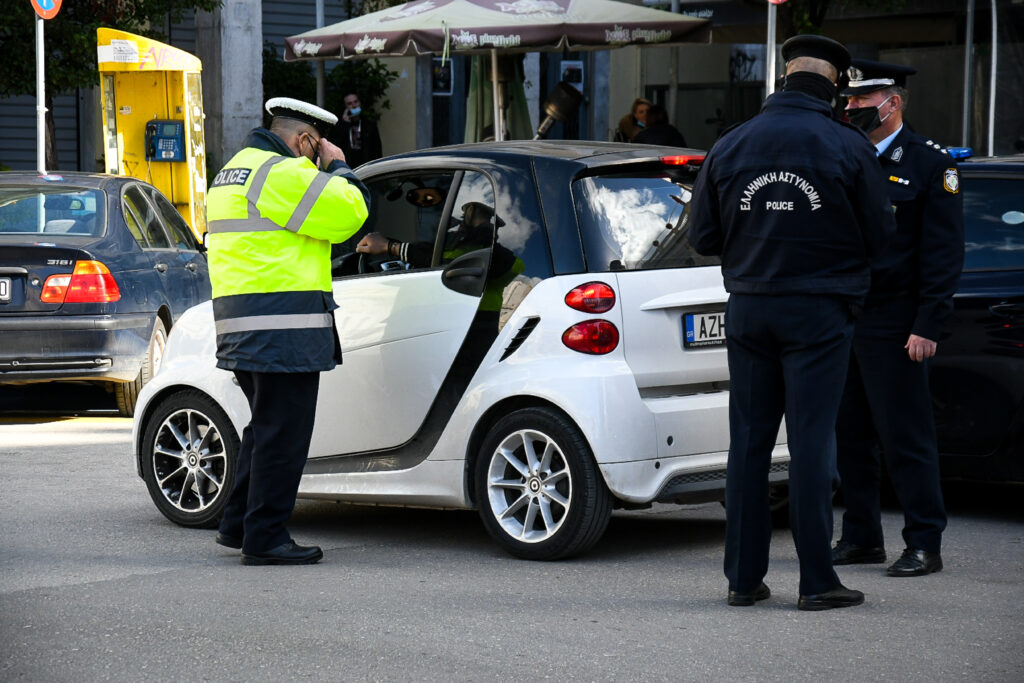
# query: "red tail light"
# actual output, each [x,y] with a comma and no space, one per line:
[91,282]
[683,159]
[593,297]
[596,337]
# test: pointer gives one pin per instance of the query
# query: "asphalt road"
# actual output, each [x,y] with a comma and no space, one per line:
[95,585]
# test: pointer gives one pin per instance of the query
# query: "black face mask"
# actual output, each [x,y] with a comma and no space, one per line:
[866,118]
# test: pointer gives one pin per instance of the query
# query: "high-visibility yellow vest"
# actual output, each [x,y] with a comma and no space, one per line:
[271,221]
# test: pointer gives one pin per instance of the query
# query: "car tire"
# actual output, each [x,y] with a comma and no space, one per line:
[540,494]
[189,454]
[127,393]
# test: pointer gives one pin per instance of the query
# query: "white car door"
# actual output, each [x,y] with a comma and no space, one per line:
[402,325]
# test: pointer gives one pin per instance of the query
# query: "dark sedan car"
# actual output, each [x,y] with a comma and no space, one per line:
[94,272]
[978,375]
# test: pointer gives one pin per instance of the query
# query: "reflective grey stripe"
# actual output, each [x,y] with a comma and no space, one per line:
[242,225]
[253,323]
[258,181]
[308,200]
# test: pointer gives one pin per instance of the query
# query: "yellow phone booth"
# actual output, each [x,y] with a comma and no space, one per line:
[153,118]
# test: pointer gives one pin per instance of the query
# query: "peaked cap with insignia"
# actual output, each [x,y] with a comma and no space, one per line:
[288,108]
[868,76]
[818,47]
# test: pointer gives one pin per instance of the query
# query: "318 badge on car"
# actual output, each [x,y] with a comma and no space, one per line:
[703,329]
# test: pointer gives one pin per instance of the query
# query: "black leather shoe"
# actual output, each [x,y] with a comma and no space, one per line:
[737,599]
[229,541]
[286,553]
[840,596]
[850,553]
[915,563]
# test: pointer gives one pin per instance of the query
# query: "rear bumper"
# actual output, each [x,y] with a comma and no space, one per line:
[48,348]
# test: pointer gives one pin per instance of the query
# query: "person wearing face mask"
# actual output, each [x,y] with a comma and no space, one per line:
[360,139]
[792,201]
[273,212]
[886,398]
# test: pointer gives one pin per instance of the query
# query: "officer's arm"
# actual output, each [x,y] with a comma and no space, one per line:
[871,202]
[705,221]
[940,251]
[335,207]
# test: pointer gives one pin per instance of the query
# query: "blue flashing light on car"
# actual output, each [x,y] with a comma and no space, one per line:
[960,152]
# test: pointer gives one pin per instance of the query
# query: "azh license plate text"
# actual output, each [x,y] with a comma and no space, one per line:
[704,329]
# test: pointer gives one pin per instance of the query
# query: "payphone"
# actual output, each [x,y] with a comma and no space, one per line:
[165,140]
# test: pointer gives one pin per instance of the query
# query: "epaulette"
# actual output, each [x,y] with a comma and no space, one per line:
[931,144]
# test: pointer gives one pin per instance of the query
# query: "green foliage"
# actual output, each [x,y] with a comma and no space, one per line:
[806,16]
[368,78]
[70,38]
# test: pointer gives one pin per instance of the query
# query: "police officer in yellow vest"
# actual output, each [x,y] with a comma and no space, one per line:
[273,212]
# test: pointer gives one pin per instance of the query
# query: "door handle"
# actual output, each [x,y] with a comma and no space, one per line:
[191,266]
[161,267]
[463,272]
[1007,310]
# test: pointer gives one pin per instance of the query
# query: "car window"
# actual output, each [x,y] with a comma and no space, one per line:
[407,208]
[145,218]
[52,210]
[471,225]
[993,223]
[180,231]
[635,221]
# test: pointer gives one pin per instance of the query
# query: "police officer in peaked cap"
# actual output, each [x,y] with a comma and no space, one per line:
[273,212]
[887,397]
[793,202]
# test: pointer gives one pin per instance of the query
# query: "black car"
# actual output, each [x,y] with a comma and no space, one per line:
[978,374]
[94,272]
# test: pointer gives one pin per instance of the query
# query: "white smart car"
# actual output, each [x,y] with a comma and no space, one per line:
[549,349]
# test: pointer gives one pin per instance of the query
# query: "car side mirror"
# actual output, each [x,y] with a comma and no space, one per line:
[467,274]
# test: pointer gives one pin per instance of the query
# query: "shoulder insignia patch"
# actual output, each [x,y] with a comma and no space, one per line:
[951,180]
[898,154]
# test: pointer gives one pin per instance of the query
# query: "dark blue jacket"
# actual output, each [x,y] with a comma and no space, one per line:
[793,202]
[927,254]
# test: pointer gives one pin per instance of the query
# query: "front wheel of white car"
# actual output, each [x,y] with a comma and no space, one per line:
[189,454]
[540,493]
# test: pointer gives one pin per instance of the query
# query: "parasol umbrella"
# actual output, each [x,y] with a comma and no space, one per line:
[443,27]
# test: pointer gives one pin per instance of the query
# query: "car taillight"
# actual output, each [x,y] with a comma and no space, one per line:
[683,159]
[592,336]
[91,282]
[593,297]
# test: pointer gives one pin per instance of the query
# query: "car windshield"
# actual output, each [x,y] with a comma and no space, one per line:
[993,224]
[51,210]
[636,221]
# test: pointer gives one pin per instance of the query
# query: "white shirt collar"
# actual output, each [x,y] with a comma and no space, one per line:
[884,144]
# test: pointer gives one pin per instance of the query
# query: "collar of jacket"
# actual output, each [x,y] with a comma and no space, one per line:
[894,152]
[792,99]
[261,138]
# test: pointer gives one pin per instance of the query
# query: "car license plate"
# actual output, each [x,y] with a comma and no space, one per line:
[5,289]
[704,329]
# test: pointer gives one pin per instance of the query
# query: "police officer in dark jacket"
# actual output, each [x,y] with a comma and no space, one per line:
[793,202]
[911,295]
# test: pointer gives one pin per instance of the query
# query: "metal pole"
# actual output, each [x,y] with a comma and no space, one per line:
[40,99]
[320,73]
[965,130]
[992,83]
[499,124]
[673,75]
[769,75]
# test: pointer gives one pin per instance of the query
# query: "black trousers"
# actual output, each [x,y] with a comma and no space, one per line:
[275,445]
[787,355]
[887,401]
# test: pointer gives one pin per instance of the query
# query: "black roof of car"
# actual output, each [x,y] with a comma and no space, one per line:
[1006,164]
[57,178]
[581,151]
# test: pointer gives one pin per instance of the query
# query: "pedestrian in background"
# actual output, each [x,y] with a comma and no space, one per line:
[273,212]
[633,122]
[793,203]
[658,130]
[912,286]
[360,139]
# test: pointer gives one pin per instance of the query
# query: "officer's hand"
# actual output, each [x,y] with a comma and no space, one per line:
[329,152]
[374,243]
[919,348]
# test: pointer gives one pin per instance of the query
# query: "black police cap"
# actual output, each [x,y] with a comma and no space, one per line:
[290,108]
[818,47]
[868,76]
